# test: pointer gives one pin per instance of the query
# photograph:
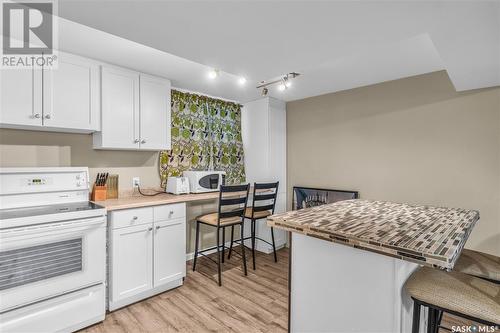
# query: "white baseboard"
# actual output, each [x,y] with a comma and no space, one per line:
[259,246]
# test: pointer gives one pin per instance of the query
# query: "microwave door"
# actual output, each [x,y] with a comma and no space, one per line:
[210,182]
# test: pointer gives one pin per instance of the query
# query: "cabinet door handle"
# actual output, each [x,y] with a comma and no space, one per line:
[47,116]
[171,212]
[136,141]
[134,218]
[150,228]
[36,115]
[143,141]
[157,227]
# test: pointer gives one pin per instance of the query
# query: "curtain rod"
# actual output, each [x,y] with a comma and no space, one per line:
[206,95]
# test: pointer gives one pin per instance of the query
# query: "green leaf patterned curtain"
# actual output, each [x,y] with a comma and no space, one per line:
[206,134]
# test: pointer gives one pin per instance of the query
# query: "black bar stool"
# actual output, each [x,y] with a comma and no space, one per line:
[263,204]
[232,206]
[456,293]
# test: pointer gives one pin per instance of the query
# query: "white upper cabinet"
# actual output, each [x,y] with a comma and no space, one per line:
[20,98]
[64,99]
[71,94]
[155,120]
[135,111]
[120,109]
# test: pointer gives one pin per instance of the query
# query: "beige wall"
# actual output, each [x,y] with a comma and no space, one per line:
[20,148]
[33,148]
[412,140]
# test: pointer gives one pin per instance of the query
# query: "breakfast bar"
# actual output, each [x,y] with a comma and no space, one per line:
[350,259]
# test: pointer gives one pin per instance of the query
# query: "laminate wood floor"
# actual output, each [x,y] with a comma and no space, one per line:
[256,303]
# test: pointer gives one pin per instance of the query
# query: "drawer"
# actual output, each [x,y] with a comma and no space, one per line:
[130,217]
[169,212]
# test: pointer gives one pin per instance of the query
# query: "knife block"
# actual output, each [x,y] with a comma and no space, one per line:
[112,185]
[99,193]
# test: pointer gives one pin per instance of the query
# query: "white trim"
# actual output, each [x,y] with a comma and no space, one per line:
[258,247]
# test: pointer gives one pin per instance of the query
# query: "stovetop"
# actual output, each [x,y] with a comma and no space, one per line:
[26,216]
[46,210]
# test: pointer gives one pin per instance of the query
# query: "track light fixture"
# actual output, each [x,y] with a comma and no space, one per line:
[284,82]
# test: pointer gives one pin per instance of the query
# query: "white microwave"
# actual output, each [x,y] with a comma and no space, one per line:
[205,181]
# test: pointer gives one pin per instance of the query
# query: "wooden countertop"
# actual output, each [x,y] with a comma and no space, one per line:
[137,200]
[431,236]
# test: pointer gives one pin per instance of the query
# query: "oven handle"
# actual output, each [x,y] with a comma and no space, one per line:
[80,224]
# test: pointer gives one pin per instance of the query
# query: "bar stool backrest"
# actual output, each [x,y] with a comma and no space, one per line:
[232,201]
[264,197]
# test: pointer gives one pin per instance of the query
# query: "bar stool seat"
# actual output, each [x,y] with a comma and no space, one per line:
[212,219]
[479,264]
[256,215]
[456,293]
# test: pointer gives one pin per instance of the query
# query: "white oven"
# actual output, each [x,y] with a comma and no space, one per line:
[52,251]
[46,260]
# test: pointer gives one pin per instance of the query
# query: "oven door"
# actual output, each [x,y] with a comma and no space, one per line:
[43,261]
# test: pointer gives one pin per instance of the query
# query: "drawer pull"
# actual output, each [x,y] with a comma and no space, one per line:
[150,228]
[157,227]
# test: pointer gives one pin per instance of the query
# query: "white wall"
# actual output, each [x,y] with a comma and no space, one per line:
[263,125]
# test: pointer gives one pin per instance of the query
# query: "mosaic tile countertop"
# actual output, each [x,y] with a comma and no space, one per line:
[431,236]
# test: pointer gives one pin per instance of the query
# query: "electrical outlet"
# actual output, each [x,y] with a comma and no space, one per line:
[136,182]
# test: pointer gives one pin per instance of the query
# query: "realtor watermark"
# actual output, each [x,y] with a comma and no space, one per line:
[475,329]
[29,34]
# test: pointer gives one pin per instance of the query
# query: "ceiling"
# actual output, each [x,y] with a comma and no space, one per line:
[336,45]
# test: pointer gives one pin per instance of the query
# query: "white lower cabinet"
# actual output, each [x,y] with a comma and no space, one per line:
[148,257]
[169,251]
[131,260]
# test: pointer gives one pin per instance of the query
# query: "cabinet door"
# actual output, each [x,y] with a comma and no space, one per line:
[120,108]
[131,261]
[21,97]
[155,113]
[71,94]
[169,251]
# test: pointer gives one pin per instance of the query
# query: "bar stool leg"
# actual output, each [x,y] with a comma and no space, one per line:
[218,257]
[439,317]
[253,243]
[415,326]
[243,250]
[231,245]
[197,237]
[223,242]
[274,246]
[431,320]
